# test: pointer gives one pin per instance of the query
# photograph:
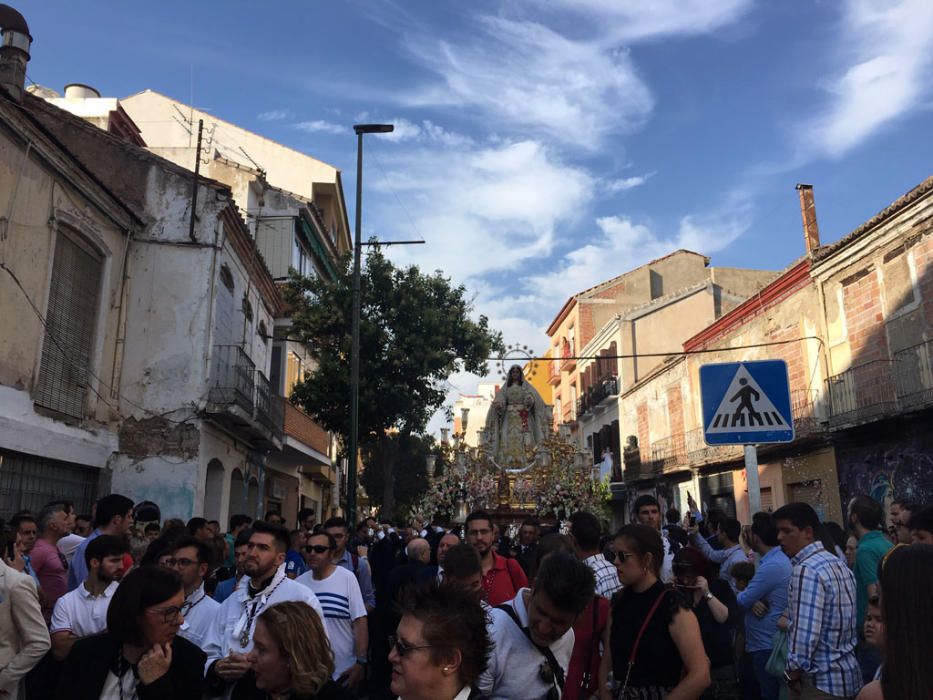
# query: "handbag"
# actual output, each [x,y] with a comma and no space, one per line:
[777,662]
[641,632]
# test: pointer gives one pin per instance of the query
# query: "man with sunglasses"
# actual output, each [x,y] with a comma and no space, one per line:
[191,558]
[55,521]
[344,611]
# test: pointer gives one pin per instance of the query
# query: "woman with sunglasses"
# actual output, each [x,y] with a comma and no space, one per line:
[291,656]
[441,645]
[652,644]
[139,656]
[716,608]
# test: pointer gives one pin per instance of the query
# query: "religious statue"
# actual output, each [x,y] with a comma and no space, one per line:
[516,422]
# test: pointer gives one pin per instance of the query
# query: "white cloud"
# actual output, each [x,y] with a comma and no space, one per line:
[482,209]
[636,20]
[321,126]
[535,76]
[888,50]
[404,131]
[627,183]
[273,115]
[527,76]
[623,245]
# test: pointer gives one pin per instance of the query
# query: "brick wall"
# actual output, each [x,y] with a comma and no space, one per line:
[301,426]
[641,412]
[861,299]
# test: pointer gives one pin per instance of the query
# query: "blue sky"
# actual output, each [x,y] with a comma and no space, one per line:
[545,145]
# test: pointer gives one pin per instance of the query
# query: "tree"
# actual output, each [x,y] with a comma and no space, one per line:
[415,331]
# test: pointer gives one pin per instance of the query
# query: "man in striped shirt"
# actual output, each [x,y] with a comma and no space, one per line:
[822,635]
[585,531]
[344,612]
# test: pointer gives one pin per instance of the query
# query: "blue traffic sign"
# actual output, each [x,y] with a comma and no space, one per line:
[746,403]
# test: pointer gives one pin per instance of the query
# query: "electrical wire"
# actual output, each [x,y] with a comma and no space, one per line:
[68,358]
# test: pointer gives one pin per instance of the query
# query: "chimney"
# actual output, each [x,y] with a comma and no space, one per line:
[811,231]
[14,52]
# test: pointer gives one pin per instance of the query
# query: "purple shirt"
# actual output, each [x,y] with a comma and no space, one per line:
[52,571]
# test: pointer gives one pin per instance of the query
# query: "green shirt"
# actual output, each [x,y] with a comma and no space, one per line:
[871,550]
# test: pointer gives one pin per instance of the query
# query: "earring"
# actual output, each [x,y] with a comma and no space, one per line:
[446,669]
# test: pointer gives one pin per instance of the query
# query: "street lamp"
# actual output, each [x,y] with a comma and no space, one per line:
[360,129]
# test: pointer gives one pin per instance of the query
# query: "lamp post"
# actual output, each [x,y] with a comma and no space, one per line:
[360,129]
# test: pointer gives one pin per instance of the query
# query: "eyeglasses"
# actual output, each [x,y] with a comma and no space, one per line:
[403,649]
[171,613]
[621,556]
[185,562]
[316,548]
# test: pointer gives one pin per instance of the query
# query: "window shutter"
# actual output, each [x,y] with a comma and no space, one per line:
[70,322]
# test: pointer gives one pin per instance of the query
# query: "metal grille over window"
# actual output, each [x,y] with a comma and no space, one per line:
[71,317]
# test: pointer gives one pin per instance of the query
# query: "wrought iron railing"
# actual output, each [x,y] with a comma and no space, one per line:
[862,392]
[596,394]
[269,409]
[913,375]
[232,377]
[669,452]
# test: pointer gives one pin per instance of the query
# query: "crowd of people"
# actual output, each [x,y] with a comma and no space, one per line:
[121,605]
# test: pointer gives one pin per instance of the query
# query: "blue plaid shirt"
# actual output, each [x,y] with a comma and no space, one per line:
[822,635]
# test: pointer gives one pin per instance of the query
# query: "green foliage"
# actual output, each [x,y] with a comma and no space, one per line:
[415,331]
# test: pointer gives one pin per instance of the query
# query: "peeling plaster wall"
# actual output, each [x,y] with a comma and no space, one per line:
[168,482]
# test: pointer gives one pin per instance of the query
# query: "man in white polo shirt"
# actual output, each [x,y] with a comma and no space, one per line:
[344,611]
[83,611]
[191,558]
[533,633]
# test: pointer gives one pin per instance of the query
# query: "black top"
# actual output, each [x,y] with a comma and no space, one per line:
[330,691]
[91,659]
[657,662]
[717,638]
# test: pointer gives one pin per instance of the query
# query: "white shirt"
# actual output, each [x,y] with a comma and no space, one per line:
[230,622]
[67,546]
[81,613]
[340,597]
[199,617]
[514,665]
[111,689]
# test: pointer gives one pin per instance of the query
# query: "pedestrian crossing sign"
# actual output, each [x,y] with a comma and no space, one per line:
[746,403]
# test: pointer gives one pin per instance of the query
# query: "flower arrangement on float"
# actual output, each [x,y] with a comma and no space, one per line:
[558,482]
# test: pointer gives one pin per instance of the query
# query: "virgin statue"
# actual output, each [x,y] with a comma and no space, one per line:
[516,422]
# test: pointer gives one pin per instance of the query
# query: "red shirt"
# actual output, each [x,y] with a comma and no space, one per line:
[586,646]
[52,572]
[503,581]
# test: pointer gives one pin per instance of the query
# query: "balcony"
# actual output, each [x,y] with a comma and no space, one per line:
[669,453]
[568,360]
[241,399]
[594,396]
[698,452]
[862,393]
[232,378]
[303,428]
[553,373]
[269,411]
[913,376]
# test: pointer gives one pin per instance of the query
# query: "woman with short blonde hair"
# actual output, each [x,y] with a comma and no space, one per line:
[291,656]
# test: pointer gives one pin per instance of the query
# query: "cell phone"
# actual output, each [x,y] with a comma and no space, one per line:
[692,519]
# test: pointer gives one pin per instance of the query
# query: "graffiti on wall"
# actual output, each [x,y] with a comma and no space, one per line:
[898,467]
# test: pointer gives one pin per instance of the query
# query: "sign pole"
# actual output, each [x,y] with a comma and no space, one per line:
[751,477]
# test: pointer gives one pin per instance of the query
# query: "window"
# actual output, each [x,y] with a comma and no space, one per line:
[293,373]
[299,258]
[263,333]
[70,322]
